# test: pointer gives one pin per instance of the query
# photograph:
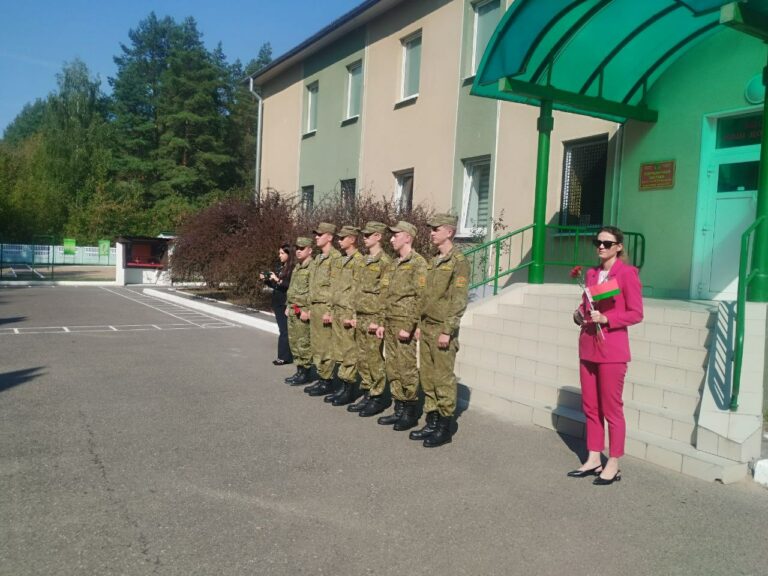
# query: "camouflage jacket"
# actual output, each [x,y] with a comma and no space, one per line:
[344,276]
[371,286]
[405,285]
[298,290]
[320,284]
[445,298]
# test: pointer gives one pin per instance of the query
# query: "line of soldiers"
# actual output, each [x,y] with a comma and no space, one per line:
[355,320]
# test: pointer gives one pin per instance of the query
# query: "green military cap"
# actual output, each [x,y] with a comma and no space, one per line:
[325,228]
[443,219]
[403,226]
[373,226]
[348,231]
[303,242]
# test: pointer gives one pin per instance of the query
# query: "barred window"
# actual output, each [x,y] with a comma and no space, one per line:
[584,166]
[307,198]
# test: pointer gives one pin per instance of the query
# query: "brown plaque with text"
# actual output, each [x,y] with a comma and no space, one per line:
[657,175]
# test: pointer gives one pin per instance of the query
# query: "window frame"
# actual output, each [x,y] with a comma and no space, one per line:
[406,42]
[346,201]
[477,56]
[469,165]
[308,206]
[351,68]
[565,194]
[400,183]
[313,91]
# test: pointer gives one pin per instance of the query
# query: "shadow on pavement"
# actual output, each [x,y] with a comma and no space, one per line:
[12,320]
[9,380]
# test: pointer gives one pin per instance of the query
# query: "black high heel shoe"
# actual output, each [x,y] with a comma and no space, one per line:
[600,481]
[584,473]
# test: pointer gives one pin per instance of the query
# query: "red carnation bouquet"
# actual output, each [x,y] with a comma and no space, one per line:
[577,273]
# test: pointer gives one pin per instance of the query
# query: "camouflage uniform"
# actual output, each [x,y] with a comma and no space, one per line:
[445,301]
[320,298]
[368,309]
[298,298]
[402,307]
[345,273]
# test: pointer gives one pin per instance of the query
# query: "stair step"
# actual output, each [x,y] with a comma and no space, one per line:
[665,452]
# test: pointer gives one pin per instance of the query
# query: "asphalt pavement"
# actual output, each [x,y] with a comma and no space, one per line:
[139,437]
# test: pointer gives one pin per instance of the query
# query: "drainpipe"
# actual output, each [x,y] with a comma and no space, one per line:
[544,125]
[257,179]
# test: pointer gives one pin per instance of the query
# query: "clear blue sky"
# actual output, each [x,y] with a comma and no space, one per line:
[38,36]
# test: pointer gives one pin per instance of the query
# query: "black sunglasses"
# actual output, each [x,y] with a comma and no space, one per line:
[605,243]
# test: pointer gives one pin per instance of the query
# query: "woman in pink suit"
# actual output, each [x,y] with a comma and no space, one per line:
[604,353]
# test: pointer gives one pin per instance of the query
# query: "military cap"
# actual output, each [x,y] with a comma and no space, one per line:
[325,227]
[443,219]
[373,226]
[348,231]
[303,242]
[403,226]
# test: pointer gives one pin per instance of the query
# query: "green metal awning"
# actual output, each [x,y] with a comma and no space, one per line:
[593,57]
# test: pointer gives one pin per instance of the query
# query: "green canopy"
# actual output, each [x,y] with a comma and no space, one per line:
[593,57]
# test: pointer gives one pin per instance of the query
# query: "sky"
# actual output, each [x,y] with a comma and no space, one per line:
[38,36]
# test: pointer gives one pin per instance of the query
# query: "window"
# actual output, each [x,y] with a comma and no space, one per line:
[487,14]
[404,191]
[584,182]
[411,65]
[307,198]
[475,210]
[348,193]
[312,92]
[354,89]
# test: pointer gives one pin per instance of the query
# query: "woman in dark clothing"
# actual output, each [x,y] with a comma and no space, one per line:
[279,280]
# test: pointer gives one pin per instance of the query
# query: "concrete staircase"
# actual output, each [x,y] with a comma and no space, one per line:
[519,359]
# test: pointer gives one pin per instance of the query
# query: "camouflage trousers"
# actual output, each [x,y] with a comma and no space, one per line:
[437,377]
[299,340]
[400,362]
[322,341]
[344,346]
[370,358]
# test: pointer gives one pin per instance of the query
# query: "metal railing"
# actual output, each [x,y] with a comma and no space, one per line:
[565,246]
[741,301]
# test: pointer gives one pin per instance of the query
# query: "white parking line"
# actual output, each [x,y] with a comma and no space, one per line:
[118,328]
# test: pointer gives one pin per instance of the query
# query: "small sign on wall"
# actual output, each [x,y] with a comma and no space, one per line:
[657,175]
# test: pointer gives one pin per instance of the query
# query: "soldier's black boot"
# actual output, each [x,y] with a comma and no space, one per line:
[429,427]
[442,435]
[394,417]
[292,378]
[302,377]
[337,389]
[375,405]
[410,417]
[360,404]
[323,387]
[347,396]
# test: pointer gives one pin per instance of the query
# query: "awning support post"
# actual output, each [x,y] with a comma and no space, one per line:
[544,126]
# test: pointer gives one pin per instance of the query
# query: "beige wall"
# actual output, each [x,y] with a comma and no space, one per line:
[281,132]
[418,135]
[515,180]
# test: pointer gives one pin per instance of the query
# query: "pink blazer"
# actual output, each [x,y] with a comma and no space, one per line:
[622,310]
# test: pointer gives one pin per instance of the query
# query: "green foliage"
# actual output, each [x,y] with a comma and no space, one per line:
[176,134]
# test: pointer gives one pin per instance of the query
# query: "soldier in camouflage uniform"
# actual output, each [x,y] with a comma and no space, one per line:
[369,315]
[297,310]
[321,316]
[445,301]
[345,276]
[402,306]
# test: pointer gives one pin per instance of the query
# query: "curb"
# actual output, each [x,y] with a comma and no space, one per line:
[244,319]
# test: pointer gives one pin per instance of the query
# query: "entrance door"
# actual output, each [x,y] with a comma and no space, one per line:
[728,200]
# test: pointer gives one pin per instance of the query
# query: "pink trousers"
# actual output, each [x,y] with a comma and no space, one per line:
[602,386]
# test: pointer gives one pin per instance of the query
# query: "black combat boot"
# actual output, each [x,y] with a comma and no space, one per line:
[339,389]
[292,378]
[348,395]
[375,405]
[302,377]
[394,417]
[429,427]
[323,387]
[315,386]
[360,404]
[442,435]
[410,417]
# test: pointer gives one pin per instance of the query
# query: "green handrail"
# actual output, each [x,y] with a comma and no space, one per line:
[741,300]
[559,252]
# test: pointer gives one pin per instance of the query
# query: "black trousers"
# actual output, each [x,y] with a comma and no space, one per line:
[283,349]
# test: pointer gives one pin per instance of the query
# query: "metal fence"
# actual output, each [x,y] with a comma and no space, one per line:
[40,254]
